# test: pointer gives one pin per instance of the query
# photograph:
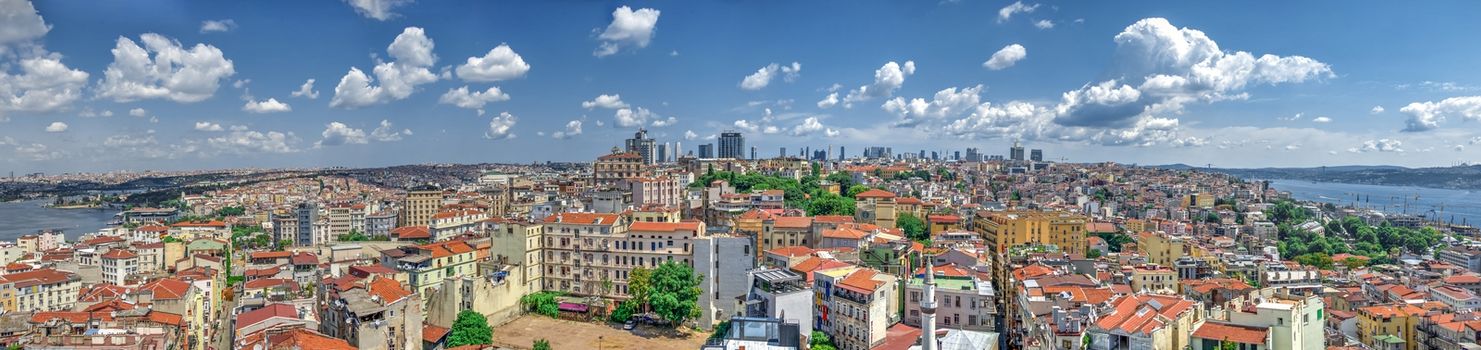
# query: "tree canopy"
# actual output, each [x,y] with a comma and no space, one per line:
[914,227]
[675,294]
[470,328]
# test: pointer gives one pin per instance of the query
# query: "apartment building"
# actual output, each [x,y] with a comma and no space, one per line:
[1289,322]
[380,315]
[1380,324]
[722,260]
[787,231]
[39,290]
[1147,321]
[1153,278]
[857,305]
[420,204]
[660,191]
[428,265]
[118,265]
[1161,248]
[518,242]
[453,222]
[579,253]
[875,206]
[1003,230]
[616,166]
[964,299]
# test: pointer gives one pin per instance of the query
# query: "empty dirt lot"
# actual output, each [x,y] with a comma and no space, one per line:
[563,335]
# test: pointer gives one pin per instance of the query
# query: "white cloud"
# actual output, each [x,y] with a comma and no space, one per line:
[661,122]
[337,133]
[225,25]
[573,128]
[1376,110]
[386,132]
[1006,57]
[207,126]
[138,113]
[501,63]
[763,76]
[690,135]
[90,113]
[37,152]
[411,57]
[613,101]
[270,105]
[20,23]
[747,126]
[629,30]
[1428,115]
[501,127]
[887,79]
[163,69]
[56,127]
[631,118]
[1322,120]
[1169,67]
[461,97]
[1044,24]
[1379,145]
[307,90]
[249,141]
[1007,12]
[43,84]
[379,10]
[829,101]
[947,102]
[810,126]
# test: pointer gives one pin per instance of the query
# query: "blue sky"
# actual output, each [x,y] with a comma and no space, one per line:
[127,85]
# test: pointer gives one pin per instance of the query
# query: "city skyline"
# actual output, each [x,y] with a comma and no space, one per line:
[178,85]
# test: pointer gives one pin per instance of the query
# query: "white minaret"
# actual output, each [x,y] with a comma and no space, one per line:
[928,308]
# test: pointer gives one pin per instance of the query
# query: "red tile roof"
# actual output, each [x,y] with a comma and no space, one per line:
[844,233]
[582,218]
[643,226]
[249,318]
[1138,313]
[167,288]
[793,222]
[387,289]
[411,232]
[37,277]
[875,193]
[791,251]
[442,249]
[432,334]
[300,338]
[1232,333]
[271,255]
[117,254]
[862,281]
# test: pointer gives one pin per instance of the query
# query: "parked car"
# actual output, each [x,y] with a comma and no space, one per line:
[629,325]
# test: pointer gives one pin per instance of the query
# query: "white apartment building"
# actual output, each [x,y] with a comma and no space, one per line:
[118,265]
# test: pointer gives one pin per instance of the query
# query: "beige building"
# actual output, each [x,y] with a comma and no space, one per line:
[40,290]
[420,204]
[518,242]
[1003,230]
[1153,278]
[614,167]
[380,315]
[875,207]
[859,303]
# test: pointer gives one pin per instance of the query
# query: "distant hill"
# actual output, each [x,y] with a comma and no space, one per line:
[1465,177]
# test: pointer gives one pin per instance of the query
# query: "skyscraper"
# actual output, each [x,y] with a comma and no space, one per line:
[732,145]
[782,153]
[642,145]
[1016,152]
[707,151]
[840,153]
[1036,155]
[661,154]
[753,152]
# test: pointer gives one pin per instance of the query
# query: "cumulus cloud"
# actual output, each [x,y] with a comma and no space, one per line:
[763,76]
[1376,110]
[307,90]
[1044,24]
[613,101]
[1379,145]
[629,30]
[386,132]
[216,26]
[21,24]
[810,126]
[207,126]
[573,128]
[56,127]
[1017,7]
[250,141]
[90,113]
[630,118]
[947,102]
[163,69]
[138,113]
[461,97]
[1425,116]
[43,84]
[501,63]
[379,10]
[501,127]
[828,101]
[690,135]
[1164,67]
[662,122]
[270,105]
[1006,57]
[1322,120]
[887,79]
[337,133]
[411,60]
[38,152]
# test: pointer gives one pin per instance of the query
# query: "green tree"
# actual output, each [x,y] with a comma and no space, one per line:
[844,179]
[820,341]
[1228,345]
[470,328]
[1318,260]
[856,189]
[640,285]
[542,303]
[675,294]
[624,311]
[540,344]
[231,211]
[1093,254]
[914,227]
[830,204]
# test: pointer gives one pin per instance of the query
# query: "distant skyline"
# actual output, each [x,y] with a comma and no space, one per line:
[178,85]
